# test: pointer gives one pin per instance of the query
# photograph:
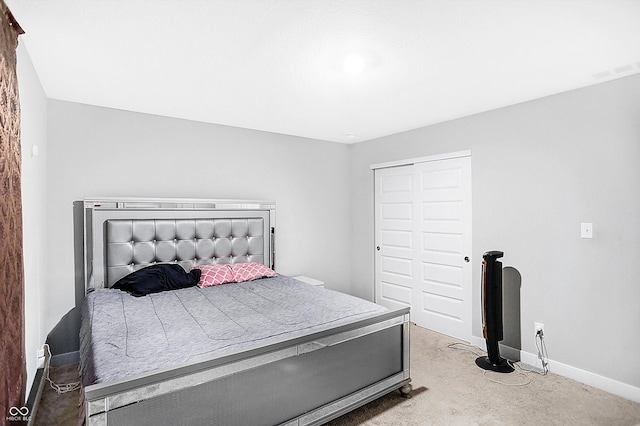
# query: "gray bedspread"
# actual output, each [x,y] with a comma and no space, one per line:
[122,335]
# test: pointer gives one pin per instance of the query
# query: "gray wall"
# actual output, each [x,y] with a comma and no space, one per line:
[539,169]
[33,105]
[97,151]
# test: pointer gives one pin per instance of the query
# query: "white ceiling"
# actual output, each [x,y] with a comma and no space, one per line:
[277,65]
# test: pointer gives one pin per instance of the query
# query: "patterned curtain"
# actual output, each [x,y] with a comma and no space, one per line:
[12,352]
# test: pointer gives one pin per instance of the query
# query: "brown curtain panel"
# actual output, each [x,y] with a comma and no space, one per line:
[12,352]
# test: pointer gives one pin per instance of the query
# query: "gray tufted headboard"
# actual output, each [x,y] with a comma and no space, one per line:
[123,235]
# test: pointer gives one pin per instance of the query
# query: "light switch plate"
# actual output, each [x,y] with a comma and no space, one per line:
[586,230]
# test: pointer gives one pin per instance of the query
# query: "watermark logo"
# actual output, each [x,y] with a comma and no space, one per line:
[19,414]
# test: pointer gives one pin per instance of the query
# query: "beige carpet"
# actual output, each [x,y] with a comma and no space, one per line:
[59,409]
[448,389]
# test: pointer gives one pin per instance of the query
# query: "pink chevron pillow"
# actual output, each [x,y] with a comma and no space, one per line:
[250,271]
[214,275]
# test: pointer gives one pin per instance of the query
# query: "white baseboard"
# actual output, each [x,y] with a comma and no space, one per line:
[606,384]
[479,342]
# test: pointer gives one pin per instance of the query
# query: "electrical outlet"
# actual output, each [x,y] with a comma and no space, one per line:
[586,230]
[538,327]
[41,358]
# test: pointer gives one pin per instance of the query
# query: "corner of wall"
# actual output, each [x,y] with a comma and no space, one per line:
[33,105]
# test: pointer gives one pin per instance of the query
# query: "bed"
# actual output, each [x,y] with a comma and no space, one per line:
[266,350]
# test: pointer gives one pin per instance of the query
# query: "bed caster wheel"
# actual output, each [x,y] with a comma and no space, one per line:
[405,391]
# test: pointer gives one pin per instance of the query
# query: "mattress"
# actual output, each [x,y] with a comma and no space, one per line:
[123,336]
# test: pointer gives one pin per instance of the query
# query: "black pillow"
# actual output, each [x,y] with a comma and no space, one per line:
[157,278]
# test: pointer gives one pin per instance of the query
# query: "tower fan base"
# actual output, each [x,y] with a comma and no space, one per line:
[501,367]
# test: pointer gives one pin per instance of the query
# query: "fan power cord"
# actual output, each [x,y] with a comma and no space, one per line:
[465,347]
[542,352]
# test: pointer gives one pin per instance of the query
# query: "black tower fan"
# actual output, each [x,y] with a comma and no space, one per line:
[492,313]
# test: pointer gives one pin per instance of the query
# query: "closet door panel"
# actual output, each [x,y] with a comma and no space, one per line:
[423,242]
[394,236]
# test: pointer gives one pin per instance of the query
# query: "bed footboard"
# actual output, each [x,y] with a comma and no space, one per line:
[306,381]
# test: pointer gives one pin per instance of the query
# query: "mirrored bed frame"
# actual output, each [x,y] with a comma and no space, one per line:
[306,380]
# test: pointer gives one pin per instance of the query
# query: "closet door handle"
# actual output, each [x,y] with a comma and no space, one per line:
[466,259]
[378,248]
